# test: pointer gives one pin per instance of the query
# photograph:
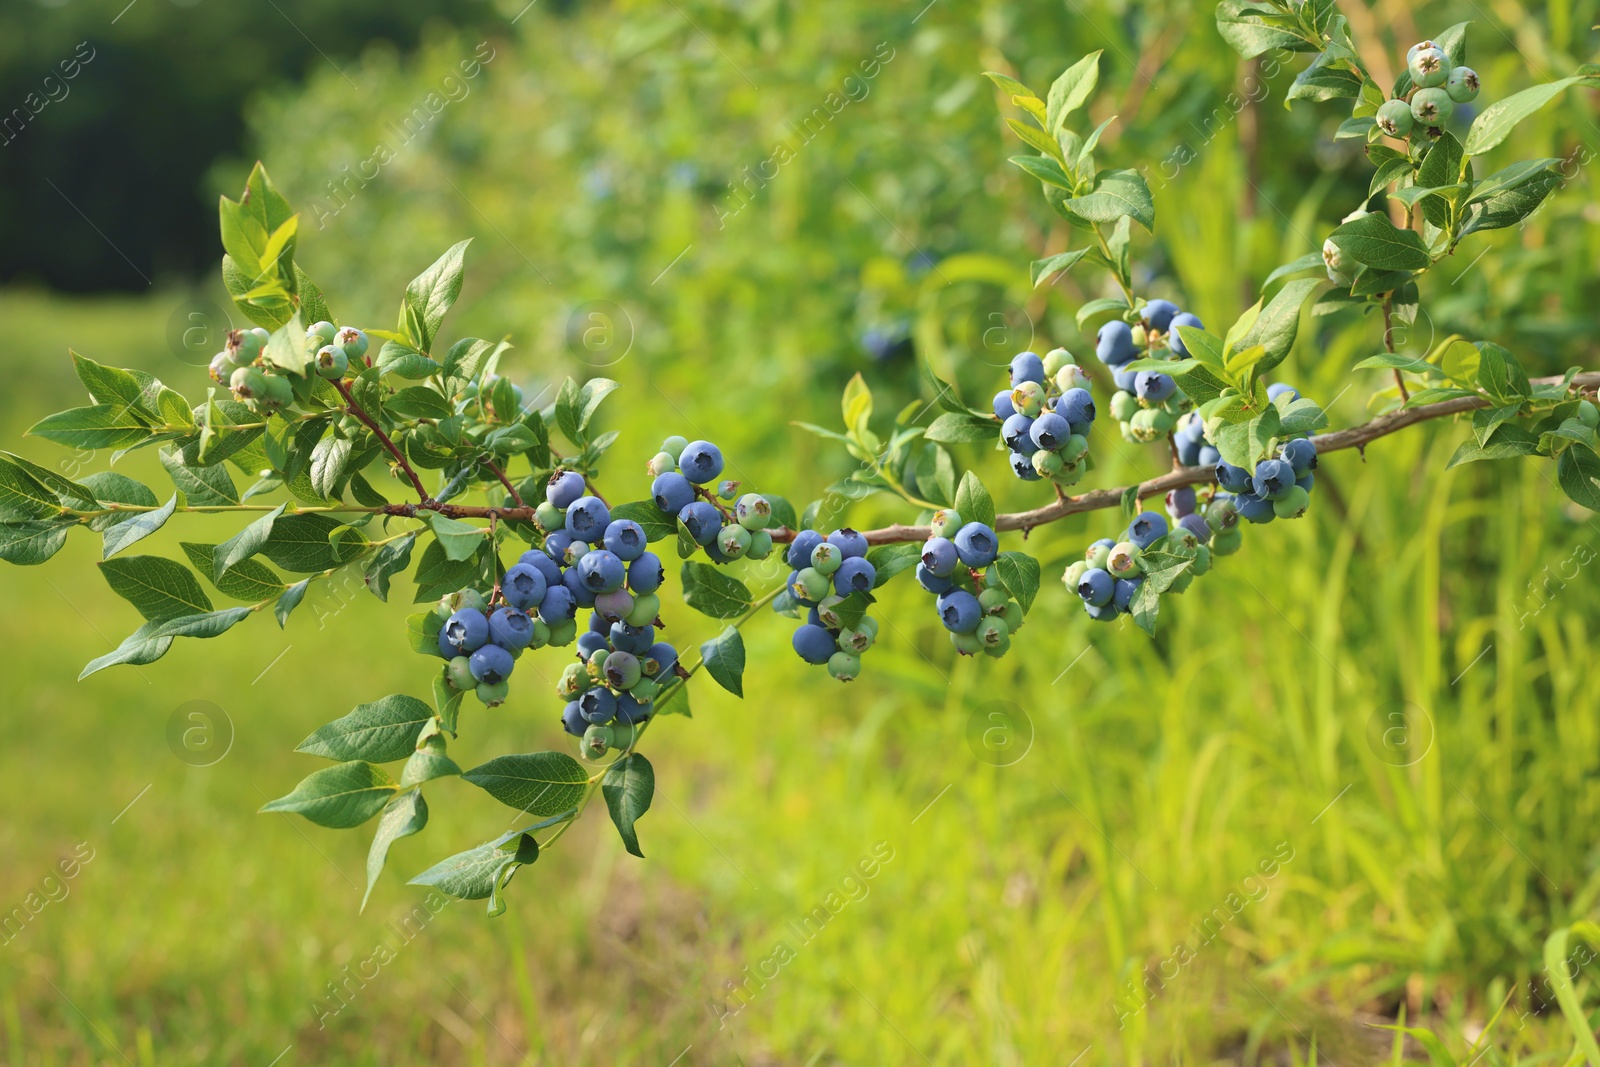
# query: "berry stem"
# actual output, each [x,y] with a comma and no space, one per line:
[359,412]
[1388,344]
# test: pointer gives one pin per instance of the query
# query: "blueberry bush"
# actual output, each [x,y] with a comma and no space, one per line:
[393,451]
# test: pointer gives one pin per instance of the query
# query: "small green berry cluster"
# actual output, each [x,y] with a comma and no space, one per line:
[682,471]
[1147,403]
[955,568]
[823,573]
[1436,89]
[1045,417]
[264,385]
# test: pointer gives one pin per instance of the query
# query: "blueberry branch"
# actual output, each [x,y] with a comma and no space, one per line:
[359,412]
[1388,343]
[516,497]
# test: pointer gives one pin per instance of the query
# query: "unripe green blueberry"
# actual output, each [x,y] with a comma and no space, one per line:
[1222,515]
[674,446]
[1292,504]
[458,673]
[1070,474]
[461,600]
[1124,560]
[1124,405]
[992,601]
[575,551]
[645,609]
[1588,414]
[244,344]
[1074,448]
[1055,359]
[596,741]
[222,367]
[1428,67]
[991,631]
[597,663]
[1143,425]
[493,695]
[844,666]
[1182,581]
[1073,574]
[541,634]
[661,463]
[1431,107]
[277,393]
[869,626]
[1462,85]
[996,651]
[857,640]
[322,332]
[549,517]
[645,690]
[1071,377]
[760,545]
[1227,542]
[1165,419]
[1338,267]
[828,611]
[573,681]
[826,558]
[1395,118]
[727,490]
[1028,399]
[1202,561]
[352,341]
[1046,464]
[564,633]
[967,644]
[247,383]
[733,540]
[1419,46]
[332,362]
[1096,555]
[1012,616]
[947,522]
[753,512]
[1140,336]
[813,583]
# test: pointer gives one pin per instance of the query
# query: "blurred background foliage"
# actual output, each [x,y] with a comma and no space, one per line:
[1398,694]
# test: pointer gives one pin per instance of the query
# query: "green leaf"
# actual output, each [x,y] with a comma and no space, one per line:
[430,295]
[1099,306]
[437,574]
[289,601]
[249,580]
[427,763]
[675,701]
[973,500]
[1243,26]
[1071,91]
[1018,574]
[1116,193]
[470,355]
[656,524]
[1279,321]
[711,592]
[1501,376]
[1510,205]
[1205,348]
[1506,442]
[1324,79]
[32,541]
[723,657]
[1487,420]
[1376,242]
[338,797]
[299,543]
[159,588]
[1129,504]
[962,428]
[628,787]
[1388,171]
[378,732]
[783,516]
[1578,470]
[201,486]
[1558,969]
[470,875]
[246,543]
[99,426]
[589,397]
[1045,169]
[1393,360]
[417,402]
[1495,122]
[890,560]
[541,783]
[22,496]
[329,461]
[393,558]
[460,540]
[403,816]
[1310,262]
[1043,269]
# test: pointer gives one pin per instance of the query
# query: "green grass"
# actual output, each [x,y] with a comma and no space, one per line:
[1017,901]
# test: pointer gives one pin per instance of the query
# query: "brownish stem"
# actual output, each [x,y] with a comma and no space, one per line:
[371,424]
[516,497]
[1388,345]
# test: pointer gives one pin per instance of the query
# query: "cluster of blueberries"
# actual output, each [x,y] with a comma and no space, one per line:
[1147,403]
[954,568]
[682,470]
[1045,417]
[1111,572]
[262,384]
[621,669]
[1436,90]
[823,571]
[1279,488]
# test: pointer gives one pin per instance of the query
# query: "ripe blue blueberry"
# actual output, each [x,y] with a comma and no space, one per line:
[1096,586]
[1016,432]
[510,628]
[1254,508]
[977,545]
[703,521]
[1126,380]
[564,488]
[625,539]
[590,642]
[587,519]
[1122,596]
[701,461]
[1196,525]
[1003,408]
[1180,501]
[1277,389]
[465,631]
[558,605]
[854,575]
[849,542]
[1209,456]
[933,583]
[1300,454]
[1175,339]
[492,664]
[1106,612]
[1077,407]
[1233,479]
[799,554]
[959,610]
[1306,480]
[645,574]
[814,644]
[582,595]
[1026,367]
[1049,431]
[1188,451]
[597,706]
[1273,479]
[659,660]
[672,492]
[631,712]
[572,720]
[625,637]
[1159,313]
[601,571]
[1154,386]
[1146,528]
[524,586]
[1022,466]
[1114,343]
